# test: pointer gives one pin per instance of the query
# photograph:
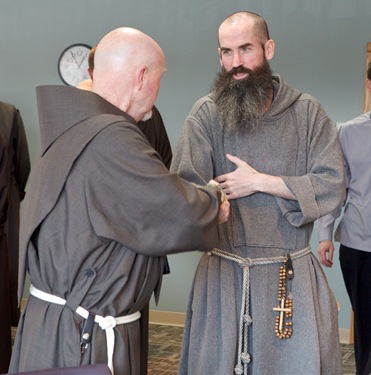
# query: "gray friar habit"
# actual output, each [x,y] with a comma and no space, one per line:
[240,318]
[100,213]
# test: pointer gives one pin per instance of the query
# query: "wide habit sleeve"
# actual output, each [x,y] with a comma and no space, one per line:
[140,204]
[3,186]
[22,165]
[194,156]
[322,188]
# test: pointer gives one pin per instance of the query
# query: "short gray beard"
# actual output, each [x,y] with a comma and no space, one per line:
[241,103]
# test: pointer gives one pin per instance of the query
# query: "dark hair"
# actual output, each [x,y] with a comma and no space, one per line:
[260,24]
[369,71]
[91,58]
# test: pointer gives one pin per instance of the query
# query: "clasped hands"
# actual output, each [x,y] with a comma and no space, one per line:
[234,185]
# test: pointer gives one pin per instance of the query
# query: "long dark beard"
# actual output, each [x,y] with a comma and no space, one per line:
[241,103]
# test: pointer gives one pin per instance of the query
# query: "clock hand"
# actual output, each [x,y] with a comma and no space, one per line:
[82,60]
[73,56]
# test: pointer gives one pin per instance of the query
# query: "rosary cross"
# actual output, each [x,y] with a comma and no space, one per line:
[282,309]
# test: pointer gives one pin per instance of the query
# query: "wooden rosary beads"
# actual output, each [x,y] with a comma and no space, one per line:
[283,326]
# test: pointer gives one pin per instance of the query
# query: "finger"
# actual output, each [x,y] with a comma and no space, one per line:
[235,160]
[324,260]
[322,254]
[213,182]
[223,212]
[331,255]
[220,178]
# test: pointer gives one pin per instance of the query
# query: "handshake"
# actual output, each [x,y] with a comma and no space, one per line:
[224,208]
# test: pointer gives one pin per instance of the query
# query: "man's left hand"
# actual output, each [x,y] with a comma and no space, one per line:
[240,182]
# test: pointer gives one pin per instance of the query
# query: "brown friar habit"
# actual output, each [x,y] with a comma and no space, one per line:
[14,136]
[5,335]
[155,131]
[101,211]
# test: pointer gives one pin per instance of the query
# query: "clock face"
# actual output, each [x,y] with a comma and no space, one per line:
[73,64]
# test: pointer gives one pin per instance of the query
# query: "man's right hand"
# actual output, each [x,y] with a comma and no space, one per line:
[224,210]
[326,252]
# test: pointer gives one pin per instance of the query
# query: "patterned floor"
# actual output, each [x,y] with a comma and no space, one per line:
[164,349]
[165,343]
[349,366]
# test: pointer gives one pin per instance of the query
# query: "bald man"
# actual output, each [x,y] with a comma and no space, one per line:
[155,131]
[101,213]
[153,128]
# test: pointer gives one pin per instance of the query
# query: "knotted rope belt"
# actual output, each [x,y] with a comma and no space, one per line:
[106,323]
[245,318]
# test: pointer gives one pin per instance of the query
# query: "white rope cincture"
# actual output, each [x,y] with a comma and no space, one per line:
[243,358]
[106,323]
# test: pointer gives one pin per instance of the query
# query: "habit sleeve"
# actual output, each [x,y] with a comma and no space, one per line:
[140,204]
[322,188]
[21,155]
[3,186]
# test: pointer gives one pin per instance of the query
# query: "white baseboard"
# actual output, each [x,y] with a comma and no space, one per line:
[344,335]
[168,318]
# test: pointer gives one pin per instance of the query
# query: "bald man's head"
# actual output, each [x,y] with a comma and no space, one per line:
[127,63]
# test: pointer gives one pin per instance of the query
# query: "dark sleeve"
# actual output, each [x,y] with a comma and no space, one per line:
[21,161]
[155,131]
[3,185]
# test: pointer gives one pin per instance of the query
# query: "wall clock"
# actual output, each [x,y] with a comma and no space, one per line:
[73,64]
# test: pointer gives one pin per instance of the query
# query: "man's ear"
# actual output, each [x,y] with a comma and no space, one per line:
[368,85]
[140,77]
[269,49]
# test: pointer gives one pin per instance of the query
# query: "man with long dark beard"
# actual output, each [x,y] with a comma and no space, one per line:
[260,302]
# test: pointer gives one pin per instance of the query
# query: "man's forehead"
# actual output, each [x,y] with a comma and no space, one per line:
[238,39]
[238,31]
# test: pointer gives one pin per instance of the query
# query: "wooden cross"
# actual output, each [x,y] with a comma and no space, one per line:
[282,309]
